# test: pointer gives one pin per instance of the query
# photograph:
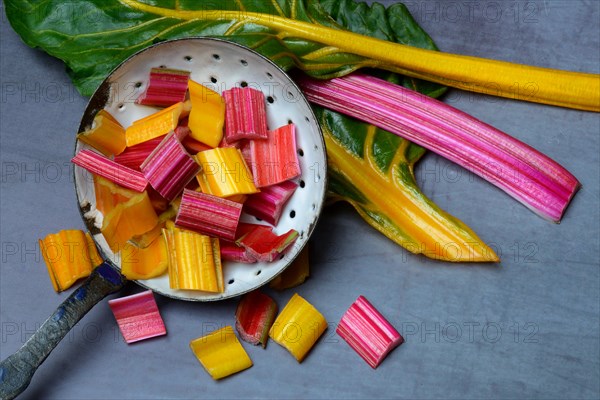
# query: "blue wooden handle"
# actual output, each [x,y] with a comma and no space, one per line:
[17,370]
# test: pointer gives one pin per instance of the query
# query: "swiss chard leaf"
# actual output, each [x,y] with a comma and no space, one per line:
[93,36]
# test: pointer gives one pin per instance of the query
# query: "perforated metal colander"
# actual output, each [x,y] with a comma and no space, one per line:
[219,65]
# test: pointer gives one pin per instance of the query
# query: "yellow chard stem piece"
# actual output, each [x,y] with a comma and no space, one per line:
[221,353]
[298,327]
[69,255]
[224,173]
[207,116]
[194,261]
[499,78]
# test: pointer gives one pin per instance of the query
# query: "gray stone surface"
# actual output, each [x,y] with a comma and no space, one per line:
[525,328]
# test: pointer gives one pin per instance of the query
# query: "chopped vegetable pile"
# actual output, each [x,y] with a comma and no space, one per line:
[165,209]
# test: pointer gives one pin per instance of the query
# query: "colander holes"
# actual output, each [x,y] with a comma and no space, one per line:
[313,206]
[293,214]
[281,256]
[290,122]
[162,66]
[231,281]
[269,75]
[291,95]
[213,79]
[138,84]
[244,63]
[121,107]
[258,272]
[217,57]
[258,219]
[301,152]
[307,119]
[270,99]
[188,58]
[243,84]
[302,184]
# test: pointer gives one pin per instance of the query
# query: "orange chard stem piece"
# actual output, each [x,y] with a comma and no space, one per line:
[109,194]
[69,255]
[154,125]
[105,135]
[126,220]
[144,263]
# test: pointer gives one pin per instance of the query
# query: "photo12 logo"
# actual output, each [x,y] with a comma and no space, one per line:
[517,12]
[469,332]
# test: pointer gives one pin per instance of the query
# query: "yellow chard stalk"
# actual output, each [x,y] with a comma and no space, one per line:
[221,353]
[498,78]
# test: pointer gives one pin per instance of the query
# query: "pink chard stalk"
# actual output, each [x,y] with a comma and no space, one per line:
[524,173]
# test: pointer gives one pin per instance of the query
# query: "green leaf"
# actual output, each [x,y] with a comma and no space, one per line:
[93,36]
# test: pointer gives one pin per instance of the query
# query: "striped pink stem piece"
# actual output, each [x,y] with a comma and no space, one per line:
[135,155]
[368,332]
[275,159]
[169,168]
[527,175]
[138,317]
[100,165]
[209,215]
[245,114]
[165,87]
[269,202]
[262,244]
[232,252]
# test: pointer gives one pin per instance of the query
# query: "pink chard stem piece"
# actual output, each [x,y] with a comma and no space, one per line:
[138,317]
[269,202]
[232,252]
[274,159]
[169,168]
[368,332]
[521,171]
[254,317]
[165,87]
[209,215]
[100,165]
[134,156]
[262,244]
[245,114]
